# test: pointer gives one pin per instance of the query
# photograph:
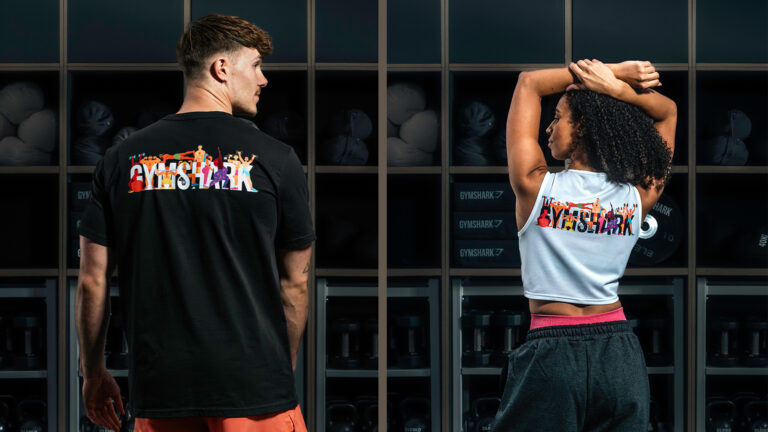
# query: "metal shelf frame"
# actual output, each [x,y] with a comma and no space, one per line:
[47,292]
[675,290]
[325,290]
[445,68]
[704,291]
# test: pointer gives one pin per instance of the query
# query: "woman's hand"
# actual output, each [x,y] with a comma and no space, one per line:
[638,74]
[596,76]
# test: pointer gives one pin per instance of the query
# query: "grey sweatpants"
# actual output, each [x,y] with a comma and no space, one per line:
[589,377]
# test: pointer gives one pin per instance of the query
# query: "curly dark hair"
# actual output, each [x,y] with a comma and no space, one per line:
[619,139]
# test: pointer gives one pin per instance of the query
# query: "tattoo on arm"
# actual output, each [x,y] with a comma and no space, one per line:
[306,269]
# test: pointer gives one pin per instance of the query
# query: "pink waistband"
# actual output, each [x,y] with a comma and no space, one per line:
[538,320]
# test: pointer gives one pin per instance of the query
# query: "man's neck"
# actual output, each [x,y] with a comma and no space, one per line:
[198,99]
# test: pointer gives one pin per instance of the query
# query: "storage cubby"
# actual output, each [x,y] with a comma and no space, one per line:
[345,118]
[413,216]
[731,108]
[731,227]
[728,34]
[285,21]
[346,31]
[283,109]
[413,31]
[413,119]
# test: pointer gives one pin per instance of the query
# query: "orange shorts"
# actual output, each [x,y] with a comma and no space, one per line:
[286,421]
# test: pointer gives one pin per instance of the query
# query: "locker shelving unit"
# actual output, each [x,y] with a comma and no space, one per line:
[64,52]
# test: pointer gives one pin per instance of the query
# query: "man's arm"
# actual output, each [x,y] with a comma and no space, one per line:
[92,309]
[293,266]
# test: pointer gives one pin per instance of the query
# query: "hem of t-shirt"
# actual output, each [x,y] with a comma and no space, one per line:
[574,300]
[533,210]
[217,412]
[95,237]
[301,241]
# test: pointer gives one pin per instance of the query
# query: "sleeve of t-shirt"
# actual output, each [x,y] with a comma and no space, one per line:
[295,226]
[97,223]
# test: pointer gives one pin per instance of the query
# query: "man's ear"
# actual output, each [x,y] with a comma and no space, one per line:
[220,68]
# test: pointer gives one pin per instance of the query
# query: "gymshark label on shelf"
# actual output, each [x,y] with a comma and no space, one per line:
[588,218]
[481,195]
[480,252]
[195,169]
[476,224]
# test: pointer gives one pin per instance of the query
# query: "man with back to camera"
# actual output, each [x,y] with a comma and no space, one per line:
[213,265]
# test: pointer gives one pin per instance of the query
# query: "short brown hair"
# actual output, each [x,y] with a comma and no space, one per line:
[217,33]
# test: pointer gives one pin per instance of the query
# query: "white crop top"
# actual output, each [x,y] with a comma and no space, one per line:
[576,242]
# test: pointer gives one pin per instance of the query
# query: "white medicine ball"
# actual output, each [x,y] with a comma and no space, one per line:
[403,101]
[39,130]
[400,153]
[6,128]
[18,153]
[20,100]
[421,131]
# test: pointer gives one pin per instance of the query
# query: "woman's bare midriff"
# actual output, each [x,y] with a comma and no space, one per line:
[545,307]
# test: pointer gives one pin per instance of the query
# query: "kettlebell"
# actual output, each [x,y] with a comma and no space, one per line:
[367,421]
[32,416]
[341,417]
[757,416]
[415,414]
[484,411]
[720,414]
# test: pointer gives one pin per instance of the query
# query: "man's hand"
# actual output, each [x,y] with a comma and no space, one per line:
[596,76]
[99,390]
[638,74]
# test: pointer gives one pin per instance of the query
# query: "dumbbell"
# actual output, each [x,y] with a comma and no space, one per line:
[349,349]
[756,416]
[655,354]
[341,417]
[720,415]
[756,343]
[371,360]
[414,414]
[484,412]
[509,323]
[724,343]
[7,421]
[740,401]
[362,403]
[476,323]
[411,332]
[29,330]
[32,416]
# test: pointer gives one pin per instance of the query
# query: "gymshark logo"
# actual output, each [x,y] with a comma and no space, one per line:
[83,195]
[481,252]
[480,223]
[481,195]
[661,208]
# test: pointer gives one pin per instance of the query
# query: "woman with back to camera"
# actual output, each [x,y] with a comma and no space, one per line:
[582,368]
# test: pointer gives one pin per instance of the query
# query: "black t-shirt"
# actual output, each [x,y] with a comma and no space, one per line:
[195,207]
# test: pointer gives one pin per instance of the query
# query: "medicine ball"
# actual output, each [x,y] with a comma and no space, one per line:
[122,134]
[400,153]
[89,150]
[421,131]
[392,129]
[18,153]
[6,127]
[477,119]
[20,100]
[39,130]
[736,124]
[726,150]
[352,122]
[94,119]
[344,150]
[471,150]
[403,101]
